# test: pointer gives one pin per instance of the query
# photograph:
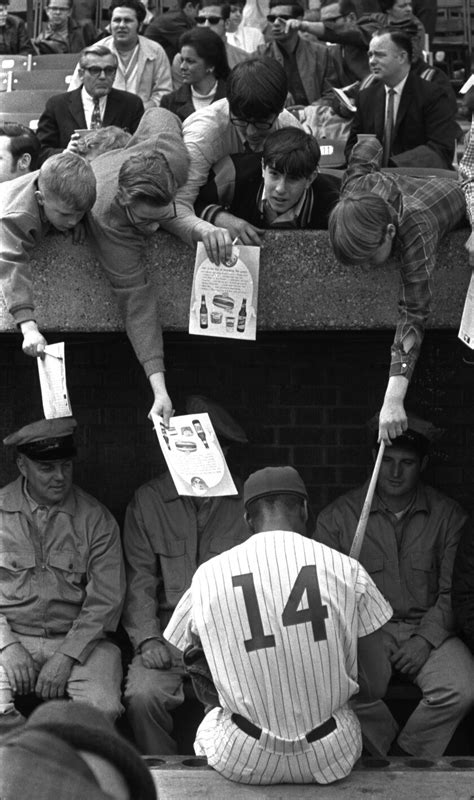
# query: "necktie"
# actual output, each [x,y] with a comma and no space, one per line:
[96,121]
[388,131]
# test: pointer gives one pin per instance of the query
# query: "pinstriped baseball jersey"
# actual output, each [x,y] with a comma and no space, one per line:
[279,617]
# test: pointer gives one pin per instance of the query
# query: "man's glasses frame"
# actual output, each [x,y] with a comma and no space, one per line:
[257,124]
[97,71]
[212,20]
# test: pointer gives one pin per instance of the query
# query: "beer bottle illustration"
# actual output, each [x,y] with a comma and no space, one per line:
[200,432]
[203,315]
[242,318]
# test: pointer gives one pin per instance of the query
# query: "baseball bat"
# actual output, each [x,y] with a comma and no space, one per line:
[364,516]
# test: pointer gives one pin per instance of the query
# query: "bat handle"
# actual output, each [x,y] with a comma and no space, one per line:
[364,517]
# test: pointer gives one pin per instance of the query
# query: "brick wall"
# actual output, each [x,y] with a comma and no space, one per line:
[302,398]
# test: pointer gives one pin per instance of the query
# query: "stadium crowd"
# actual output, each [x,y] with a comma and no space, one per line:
[209,128]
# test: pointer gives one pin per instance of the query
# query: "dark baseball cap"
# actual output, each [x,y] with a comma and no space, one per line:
[273,480]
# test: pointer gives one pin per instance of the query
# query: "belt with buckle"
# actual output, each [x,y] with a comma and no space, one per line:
[255,732]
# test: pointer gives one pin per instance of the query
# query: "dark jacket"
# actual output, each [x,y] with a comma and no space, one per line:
[180,101]
[64,113]
[425,130]
[462,592]
[167,29]
[14,39]
[235,185]
[79,35]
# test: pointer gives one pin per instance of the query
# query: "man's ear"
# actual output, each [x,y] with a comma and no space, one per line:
[21,464]
[24,162]
[39,197]
[305,512]
[263,168]
[391,231]
[249,522]
[312,177]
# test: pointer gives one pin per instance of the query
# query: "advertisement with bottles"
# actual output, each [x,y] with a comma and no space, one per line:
[193,455]
[224,296]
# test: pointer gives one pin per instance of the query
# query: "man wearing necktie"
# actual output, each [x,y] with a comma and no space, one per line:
[95,104]
[411,117]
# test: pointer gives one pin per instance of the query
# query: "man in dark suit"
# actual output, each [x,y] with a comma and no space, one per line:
[96,104]
[412,118]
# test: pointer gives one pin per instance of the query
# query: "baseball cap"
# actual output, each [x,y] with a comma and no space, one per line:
[224,425]
[273,480]
[41,760]
[46,439]
[418,436]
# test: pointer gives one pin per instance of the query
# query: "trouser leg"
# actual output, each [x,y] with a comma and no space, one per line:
[10,717]
[150,697]
[447,683]
[98,681]
[379,727]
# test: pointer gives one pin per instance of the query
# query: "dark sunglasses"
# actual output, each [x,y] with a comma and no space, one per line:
[273,17]
[212,20]
[96,71]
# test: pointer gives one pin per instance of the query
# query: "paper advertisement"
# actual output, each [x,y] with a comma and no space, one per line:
[224,297]
[194,456]
[52,375]
[466,329]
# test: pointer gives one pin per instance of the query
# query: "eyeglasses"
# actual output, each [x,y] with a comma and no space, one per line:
[273,17]
[164,214]
[212,20]
[58,10]
[259,125]
[96,71]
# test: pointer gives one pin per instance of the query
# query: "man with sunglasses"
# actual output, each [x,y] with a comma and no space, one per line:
[136,187]
[308,65]
[95,104]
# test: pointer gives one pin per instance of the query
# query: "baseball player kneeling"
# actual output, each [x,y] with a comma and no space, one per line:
[291,631]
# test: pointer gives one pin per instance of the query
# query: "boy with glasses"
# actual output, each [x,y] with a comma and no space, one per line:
[256,94]
[62,34]
[95,104]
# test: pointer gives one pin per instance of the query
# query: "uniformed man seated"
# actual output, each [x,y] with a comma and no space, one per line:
[409,548]
[290,631]
[61,580]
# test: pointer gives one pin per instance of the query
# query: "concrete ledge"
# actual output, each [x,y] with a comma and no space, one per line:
[302,287]
[408,778]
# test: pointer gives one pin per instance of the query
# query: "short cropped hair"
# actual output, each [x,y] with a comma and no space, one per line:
[357,227]
[22,140]
[291,151]
[70,178]
[99,50]
[135,5]
[399,39]
[257,88]
[109,138]
[296,9]
[288,504]
[147,176]
[209,46]
[224,7]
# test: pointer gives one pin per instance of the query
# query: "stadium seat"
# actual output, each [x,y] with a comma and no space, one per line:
[30,101]
[64,61]
[30,120]
[15,62]
[56,80]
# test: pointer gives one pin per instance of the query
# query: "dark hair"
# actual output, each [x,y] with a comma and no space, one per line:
[147,176]
[257,88]
[386,5]
[22,140]
[224,7]
[209,46]
[347,7]
[291,151]
[183,3]
[135,5]
[296,9]
[400,40]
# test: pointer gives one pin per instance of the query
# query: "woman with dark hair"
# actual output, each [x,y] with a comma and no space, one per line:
[204,70]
